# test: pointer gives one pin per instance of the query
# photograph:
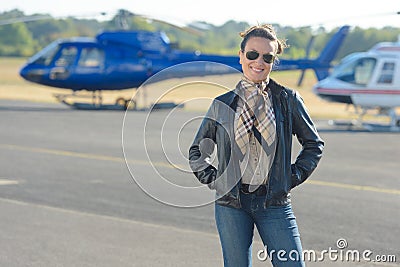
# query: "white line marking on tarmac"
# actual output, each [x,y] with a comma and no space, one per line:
[355,187]
[8,182]
[81,155]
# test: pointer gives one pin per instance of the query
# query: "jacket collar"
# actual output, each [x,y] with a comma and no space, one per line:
[232,96]
[275,87]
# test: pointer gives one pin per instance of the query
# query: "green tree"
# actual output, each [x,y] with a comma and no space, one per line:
[16,40]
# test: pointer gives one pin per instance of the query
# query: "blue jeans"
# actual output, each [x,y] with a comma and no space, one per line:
[276,225]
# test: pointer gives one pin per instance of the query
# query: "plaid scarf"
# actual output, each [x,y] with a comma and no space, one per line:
[257,111]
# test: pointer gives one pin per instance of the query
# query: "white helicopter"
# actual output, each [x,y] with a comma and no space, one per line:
[367,80]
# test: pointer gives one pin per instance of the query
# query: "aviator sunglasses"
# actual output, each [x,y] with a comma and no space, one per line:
[252,55]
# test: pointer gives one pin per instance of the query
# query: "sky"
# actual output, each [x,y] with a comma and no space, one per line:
[296,13]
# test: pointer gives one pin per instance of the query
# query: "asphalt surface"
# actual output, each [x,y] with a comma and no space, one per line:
[69,197]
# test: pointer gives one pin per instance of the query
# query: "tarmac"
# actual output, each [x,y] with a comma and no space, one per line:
[70,194]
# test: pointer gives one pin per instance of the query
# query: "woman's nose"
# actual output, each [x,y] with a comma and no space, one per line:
[260,60]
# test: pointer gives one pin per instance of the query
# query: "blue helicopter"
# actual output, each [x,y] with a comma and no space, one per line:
[118,60]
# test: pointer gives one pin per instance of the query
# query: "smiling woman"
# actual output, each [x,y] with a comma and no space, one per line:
[256,41]
[255,67]
[251,126]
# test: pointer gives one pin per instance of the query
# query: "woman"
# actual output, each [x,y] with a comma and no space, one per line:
[252,128]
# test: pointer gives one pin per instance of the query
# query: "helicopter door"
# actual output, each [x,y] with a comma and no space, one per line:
[64,62]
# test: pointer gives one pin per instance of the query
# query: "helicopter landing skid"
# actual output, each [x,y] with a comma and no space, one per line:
[360,124]
[393,126]
[96,103]
[120,103]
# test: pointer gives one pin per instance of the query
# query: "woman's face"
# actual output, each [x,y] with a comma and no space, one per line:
[257,70]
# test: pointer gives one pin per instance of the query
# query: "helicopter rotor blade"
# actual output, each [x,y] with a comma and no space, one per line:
[24,19]
[45,17]
[123,16]
[183,28]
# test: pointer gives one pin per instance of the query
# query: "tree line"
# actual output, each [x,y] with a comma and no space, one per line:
[23,39]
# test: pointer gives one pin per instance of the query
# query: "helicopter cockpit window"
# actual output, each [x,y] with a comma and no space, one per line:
[67,56]
[387,73]
[358,71]
[91,57]
[46,55]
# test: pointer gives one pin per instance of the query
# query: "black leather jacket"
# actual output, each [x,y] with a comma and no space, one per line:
[217,129]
